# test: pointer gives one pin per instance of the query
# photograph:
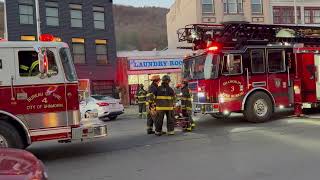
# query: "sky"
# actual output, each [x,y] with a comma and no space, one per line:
[158,3]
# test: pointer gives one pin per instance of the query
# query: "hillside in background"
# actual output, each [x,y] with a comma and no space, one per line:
[140,28]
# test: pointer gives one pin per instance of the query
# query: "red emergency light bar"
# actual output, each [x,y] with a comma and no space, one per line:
[46,37]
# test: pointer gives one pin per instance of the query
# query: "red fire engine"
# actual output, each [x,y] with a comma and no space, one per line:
[39,95]
[252,68]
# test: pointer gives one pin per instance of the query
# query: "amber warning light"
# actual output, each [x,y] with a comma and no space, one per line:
[213,48]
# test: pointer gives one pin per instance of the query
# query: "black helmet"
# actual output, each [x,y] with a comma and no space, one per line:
[166,78]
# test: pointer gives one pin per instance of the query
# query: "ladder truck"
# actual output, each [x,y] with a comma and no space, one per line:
[253,69]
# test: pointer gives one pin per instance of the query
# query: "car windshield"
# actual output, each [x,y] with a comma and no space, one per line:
[100,97]
[201,67]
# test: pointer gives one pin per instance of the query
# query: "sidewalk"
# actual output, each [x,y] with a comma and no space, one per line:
[131,110]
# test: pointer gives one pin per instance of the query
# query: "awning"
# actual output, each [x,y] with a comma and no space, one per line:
[162,71]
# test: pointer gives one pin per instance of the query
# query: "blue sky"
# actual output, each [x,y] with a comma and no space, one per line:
[158,3]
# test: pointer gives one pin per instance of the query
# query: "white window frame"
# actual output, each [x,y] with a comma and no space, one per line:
[261,6]
[239,7]
[212,5]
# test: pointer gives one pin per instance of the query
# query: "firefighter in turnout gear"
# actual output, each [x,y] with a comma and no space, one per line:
[141,97]
[151,115]
[186,104]
[165,98]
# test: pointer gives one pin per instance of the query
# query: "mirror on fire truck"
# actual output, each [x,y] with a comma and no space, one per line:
[43,60]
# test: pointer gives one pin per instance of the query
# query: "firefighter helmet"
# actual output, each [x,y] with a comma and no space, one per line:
[166,78]
[155,78]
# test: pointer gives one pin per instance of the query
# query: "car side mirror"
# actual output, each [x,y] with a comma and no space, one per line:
[43,59]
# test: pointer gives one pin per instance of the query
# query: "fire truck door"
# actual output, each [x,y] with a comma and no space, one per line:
[6,77]
[233,83]
[317,64]
[40,99]
[278,76]
[258,77]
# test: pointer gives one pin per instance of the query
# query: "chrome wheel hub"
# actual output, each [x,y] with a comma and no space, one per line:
[260,107]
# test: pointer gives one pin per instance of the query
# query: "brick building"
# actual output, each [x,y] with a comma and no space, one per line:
[87,26]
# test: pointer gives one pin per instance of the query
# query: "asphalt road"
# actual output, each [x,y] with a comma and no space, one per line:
[284,149]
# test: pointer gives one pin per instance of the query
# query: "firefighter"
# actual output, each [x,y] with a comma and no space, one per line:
[141,97]
[152,91]
[186,104]
[164,99]
[27,69]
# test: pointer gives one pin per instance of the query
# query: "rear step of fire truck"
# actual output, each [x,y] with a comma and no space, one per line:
[89,128]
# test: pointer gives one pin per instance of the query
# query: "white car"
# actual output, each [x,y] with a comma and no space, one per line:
[102,106]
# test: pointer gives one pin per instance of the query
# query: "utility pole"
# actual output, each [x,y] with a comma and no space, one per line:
[5,20]
[38,20]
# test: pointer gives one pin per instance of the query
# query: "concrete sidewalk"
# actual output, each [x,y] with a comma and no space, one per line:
[131,110]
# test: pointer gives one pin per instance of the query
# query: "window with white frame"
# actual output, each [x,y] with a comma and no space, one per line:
[98,17]
[312,15]
[76,15]
[52,14]
[26,12]
[233,6]
[256,6]
[208,6]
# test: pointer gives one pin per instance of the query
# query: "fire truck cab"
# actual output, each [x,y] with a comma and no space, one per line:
[255,73]
[39,96]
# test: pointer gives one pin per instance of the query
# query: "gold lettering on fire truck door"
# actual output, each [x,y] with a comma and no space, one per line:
[232,89]
[45,102]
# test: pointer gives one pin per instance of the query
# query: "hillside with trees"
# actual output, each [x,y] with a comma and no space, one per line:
[140,28]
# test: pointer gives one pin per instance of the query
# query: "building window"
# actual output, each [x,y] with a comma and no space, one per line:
[52,14]
[78,49]
[256,6]
[26,11]
[285,15]
[27,38]
[207,6]
[98,17]
[312,15]
[233,6]
[76,15]
[102,51]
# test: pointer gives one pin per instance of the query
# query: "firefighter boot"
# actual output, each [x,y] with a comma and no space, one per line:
[170,133]
[150,131]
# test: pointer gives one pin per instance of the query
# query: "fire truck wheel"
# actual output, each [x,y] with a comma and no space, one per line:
[221,115]
[9,136]
[258,108]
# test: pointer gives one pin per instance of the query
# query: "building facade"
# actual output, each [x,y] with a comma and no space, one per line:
[184,12]
[87,26]
[137,67]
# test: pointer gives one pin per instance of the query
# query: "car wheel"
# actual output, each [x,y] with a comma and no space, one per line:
[221,115]
[10,137]
[113,117]
[258,108]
